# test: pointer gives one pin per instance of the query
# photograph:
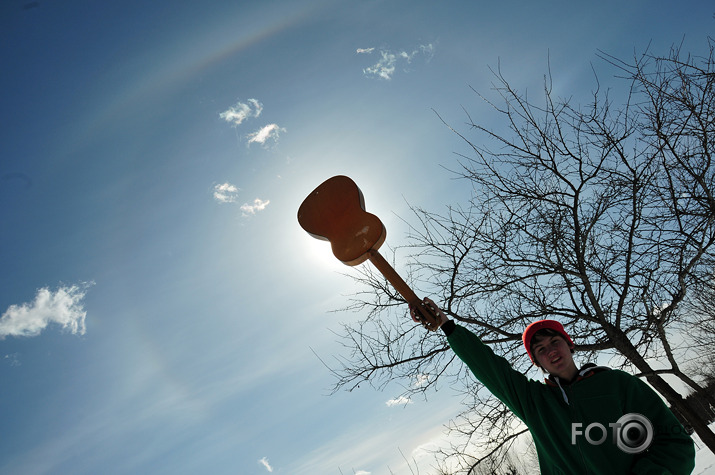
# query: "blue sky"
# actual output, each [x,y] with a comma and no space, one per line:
[161,308]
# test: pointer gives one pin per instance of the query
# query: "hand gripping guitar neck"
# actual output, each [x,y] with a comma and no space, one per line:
[335,212]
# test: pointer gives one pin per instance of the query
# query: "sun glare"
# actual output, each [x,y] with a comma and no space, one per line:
[320,254]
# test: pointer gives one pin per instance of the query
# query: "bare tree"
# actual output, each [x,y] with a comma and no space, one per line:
[699,307]
[600,216]
[508,462]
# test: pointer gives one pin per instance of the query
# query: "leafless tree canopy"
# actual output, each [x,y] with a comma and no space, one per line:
[600,215]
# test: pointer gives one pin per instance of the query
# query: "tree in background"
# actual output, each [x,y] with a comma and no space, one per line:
[700,309]
[600,216]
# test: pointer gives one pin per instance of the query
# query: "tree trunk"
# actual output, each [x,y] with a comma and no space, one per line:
[676,401]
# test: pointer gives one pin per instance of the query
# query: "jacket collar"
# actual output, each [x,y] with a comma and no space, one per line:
[586,371]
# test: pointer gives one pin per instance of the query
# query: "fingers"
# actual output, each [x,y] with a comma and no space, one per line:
[432,319]
[441,316]
[413,314]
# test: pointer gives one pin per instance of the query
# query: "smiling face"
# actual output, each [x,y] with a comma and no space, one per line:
[553,353]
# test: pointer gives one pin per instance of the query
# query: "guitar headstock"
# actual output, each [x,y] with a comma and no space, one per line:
[335,212]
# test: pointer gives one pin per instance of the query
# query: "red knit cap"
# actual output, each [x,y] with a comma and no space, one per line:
[540,325]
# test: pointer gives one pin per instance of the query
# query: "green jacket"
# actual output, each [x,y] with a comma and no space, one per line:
[600,396]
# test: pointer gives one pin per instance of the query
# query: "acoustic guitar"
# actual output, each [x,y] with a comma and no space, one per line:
[335,212]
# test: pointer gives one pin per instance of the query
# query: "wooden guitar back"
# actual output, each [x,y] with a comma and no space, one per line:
[335,212]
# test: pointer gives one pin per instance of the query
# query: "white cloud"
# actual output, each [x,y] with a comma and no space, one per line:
[270,131]
[400,401]
[426,50]
[385,67]
[258,205]
[225,193]
[63,307]
[266,465]
[365,50]
[241,111]
[421,380]
[12,359]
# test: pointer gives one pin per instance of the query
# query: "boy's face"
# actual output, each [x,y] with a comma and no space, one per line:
[553,354]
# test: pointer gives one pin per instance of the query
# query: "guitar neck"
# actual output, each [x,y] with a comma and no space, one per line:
[393,277]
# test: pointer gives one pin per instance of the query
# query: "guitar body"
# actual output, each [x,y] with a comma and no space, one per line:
[335,212]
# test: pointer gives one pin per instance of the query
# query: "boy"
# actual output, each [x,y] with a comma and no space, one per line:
[593,420]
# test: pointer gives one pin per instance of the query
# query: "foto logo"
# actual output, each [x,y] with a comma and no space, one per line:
[632,433]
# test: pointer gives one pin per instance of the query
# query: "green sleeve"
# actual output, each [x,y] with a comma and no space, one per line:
[495,372]
[672,450]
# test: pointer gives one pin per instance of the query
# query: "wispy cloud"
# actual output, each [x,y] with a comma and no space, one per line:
[242,111]
[266,465]
[64,307]
[421,380]
[270,131]
[384,68]
[386,65]
[400,401]
[12,359]
[251,209]
[225,193]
